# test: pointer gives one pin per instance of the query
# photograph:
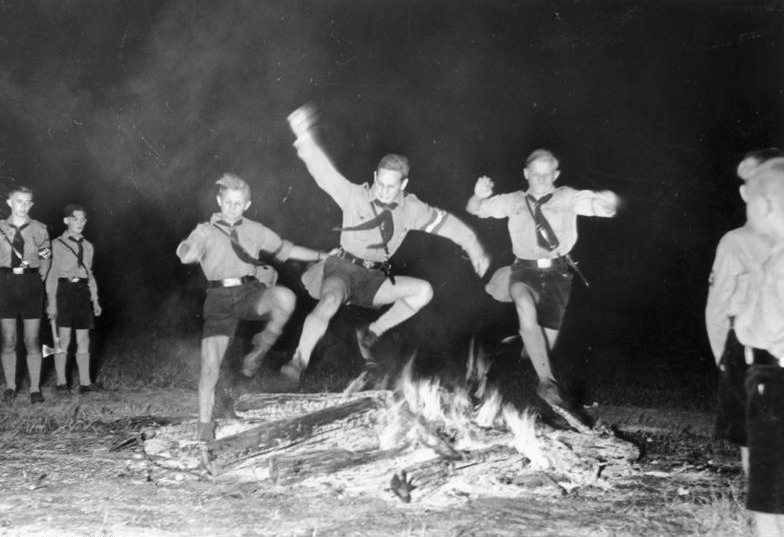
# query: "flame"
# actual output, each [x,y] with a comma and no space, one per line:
[489,409]
[523,427]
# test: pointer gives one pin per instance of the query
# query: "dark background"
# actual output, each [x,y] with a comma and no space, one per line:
[134,108]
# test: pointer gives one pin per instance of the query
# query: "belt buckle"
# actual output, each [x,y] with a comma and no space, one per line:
[544,263]
[73,280]
[231,282]
[367,264]
[18,270]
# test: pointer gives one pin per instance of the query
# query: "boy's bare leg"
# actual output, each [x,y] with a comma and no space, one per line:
[83,356]
[8,353]
[33,346]
[768,524]
[213,349]
[277,303]
[60,358]
[530,331]
[407,295]
[333,295]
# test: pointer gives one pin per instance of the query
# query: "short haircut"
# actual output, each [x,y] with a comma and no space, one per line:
[542,154]
[229,181]
[71,208]
[398,163]
[752,161]
[21,188]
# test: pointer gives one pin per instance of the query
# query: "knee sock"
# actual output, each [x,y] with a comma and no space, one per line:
[83,364]
[9,369]
[34,370]
[399,312]
[59,368]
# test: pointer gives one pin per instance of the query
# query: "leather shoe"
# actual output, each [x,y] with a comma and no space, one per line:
[9,395]
[36,397]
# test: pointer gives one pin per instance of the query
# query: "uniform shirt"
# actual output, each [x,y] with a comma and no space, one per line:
[217,257]
[37,250]
[561,212]
[356,202]
[760,324]
[66,265]
[739,254]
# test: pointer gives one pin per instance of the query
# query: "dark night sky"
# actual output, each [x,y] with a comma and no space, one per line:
[134,108]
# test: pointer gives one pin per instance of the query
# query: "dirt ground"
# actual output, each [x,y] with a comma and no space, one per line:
[60,477]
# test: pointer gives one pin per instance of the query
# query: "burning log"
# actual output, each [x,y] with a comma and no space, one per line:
[229,451]
[288,469]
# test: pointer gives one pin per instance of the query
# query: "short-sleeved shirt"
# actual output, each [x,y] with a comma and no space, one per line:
[760,324]
[65,264]
[218,259]
[739,254]
[37,249]
[356,202]
[561,211]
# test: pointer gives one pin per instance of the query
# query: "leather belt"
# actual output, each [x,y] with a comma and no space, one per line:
[19,270]
[542,264]
[372,265]
[230,282]
[73,280]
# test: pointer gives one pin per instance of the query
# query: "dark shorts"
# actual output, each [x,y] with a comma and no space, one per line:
[731,415]
[21,295]
[74,307]
[361,284]
[224,307]
[552,288]
[765,419]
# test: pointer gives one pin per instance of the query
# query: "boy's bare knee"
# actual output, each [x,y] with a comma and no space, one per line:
[285,299]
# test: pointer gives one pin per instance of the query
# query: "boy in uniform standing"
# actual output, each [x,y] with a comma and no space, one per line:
[760,327]
[240,287]
[24,260]
[739,253]
[542,223]
[72,297]
[376,220]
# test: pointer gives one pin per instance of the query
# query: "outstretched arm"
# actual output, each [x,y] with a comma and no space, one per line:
[301,253]
[302,121]
[482,191]
[447,225]
[602,203]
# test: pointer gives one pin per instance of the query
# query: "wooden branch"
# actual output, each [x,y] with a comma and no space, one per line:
[277,435]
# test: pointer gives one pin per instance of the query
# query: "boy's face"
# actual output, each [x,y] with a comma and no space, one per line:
[541,174]
[387,184]
[76,222]
[232,204]
[20,203]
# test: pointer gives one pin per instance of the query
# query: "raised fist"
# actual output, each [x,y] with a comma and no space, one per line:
[302,119]
[484,187]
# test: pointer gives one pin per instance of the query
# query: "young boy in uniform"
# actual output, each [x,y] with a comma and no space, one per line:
[72,297]
[760,327]
[24,260]
[739,253]
[542,223]
[239,286]
[376,219]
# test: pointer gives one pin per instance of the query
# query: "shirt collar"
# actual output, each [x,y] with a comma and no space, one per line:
[217,218]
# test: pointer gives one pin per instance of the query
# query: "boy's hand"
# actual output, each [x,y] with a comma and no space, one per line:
[97,309]
[605,203]
[51,312]
[302,119]
[484,187]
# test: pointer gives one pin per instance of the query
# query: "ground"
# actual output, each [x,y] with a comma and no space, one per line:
[61,477]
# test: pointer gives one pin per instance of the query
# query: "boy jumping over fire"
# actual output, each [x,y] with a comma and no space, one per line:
[240,287]
[376,219]
[542,225]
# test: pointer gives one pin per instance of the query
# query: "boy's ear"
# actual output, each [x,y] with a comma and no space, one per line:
[247,204]
[404,184]
[744,193]
[65,220]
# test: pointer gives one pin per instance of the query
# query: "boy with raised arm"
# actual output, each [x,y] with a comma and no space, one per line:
[376,220]
[542,222]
